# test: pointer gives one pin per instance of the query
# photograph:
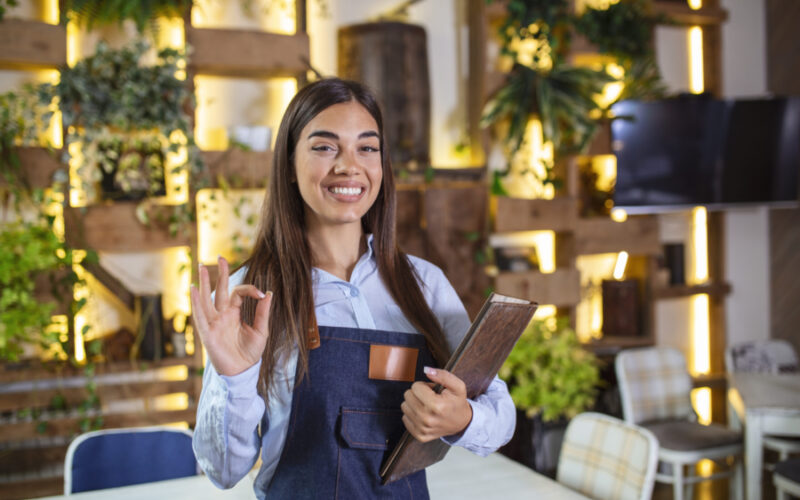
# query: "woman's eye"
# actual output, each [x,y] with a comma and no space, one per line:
[322,147]
[370,149]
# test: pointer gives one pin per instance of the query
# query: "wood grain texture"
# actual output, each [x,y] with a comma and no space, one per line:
[783,46]
[246,53]
[38,166]
[517,214]
[114,228]
[560,288]
[26,44]
[784,268]
[240,169]
[637,236]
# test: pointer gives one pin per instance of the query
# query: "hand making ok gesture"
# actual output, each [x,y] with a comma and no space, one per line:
[232,346]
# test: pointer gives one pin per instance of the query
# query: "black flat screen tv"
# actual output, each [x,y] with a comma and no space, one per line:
[696,150]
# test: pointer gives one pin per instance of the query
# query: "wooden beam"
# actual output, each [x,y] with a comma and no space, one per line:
[240,169]
[114,227]
[517,214]
[37,370]
[561,288]
[37,166]
[246,53]
[32,44]
[680,291]
[637,236]
[683,14]
[69,425]
[12,401]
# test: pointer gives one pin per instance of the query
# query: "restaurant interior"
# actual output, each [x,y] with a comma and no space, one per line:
[630,165]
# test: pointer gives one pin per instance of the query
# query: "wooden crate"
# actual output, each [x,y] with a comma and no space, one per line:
[32,44]
[560,288]
[518,214]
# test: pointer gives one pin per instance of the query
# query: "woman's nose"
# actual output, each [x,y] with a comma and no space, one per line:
[345,164]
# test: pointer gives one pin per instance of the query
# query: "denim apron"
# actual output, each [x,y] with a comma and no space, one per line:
[343,425]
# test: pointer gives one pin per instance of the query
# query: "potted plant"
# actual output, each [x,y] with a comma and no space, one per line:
[551,378]
[542,83]
[34,263]
[127,118]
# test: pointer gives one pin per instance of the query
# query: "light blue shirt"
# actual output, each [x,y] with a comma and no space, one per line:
[226,437]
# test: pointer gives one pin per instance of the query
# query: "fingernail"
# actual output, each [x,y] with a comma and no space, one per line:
[261,294]
[429,370]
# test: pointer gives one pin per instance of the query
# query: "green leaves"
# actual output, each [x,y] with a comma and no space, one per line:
[98,13]
[550,373]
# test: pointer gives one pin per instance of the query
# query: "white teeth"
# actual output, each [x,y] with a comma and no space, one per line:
[346,190]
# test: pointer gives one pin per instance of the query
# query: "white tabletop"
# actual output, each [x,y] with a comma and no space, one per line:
[461,475]
[767,391]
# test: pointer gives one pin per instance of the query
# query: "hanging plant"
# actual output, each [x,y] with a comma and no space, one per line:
[99,13]
[623,29]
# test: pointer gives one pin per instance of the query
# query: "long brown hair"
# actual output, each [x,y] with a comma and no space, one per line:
[281,258]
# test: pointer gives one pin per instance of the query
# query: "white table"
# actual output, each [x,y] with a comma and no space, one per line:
[460,476]
[764,404]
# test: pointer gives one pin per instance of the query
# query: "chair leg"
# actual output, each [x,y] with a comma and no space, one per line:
[677,481]
[690,473]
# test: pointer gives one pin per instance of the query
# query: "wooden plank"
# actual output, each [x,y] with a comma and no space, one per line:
[67,426]
[637,236]
[518,214]
[34,488]
[114,227]
[246,53]
[27,459]
[17,372]
[37,166]
[26,44]
[561,288]
[114,285]
[681,13]
[11,401]
[240,169]
[680,291]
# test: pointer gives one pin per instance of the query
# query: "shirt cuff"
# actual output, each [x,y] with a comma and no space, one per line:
[475,433]
[243,385]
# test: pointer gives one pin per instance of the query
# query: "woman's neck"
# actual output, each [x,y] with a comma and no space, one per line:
[337,249]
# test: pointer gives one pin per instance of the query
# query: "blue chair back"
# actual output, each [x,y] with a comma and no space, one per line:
[121,457]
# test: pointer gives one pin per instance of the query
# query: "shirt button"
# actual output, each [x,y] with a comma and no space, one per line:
[354,292]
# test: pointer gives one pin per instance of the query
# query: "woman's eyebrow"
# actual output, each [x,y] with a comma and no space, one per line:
[330,135]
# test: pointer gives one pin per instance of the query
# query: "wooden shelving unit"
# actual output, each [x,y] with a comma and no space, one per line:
[28,44]
[517,214]
[241,169]
[561,288]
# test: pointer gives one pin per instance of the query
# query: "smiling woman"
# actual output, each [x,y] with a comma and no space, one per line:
[300,339]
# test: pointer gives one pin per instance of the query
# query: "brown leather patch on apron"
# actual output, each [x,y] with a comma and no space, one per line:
[390,362]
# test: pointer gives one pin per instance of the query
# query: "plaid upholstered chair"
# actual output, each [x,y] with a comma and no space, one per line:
[605,458]
[655,390]
[766,356]
[787,478]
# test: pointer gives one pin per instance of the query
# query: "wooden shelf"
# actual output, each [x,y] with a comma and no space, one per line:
[712,380]
[678,291]
[637,236]
[114,227]
[246,53]
[25,371]
[561,288]
[683,14]
[609,346]
[38,166]
[241,169]
[518,214]
[32,44]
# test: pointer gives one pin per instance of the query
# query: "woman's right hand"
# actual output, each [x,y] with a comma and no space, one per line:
[232,346]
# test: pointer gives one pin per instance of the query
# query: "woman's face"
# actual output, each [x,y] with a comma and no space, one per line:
[337,164]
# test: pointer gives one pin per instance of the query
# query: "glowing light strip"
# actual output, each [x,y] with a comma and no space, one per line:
[696,83]
[700,333]
[701,400]
[700,230]
[695,4]
[619,268]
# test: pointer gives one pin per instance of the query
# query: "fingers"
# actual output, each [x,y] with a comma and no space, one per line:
[198,316]
[449,381]
[261,320]
[204,298]
[241,291]
[221,296]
